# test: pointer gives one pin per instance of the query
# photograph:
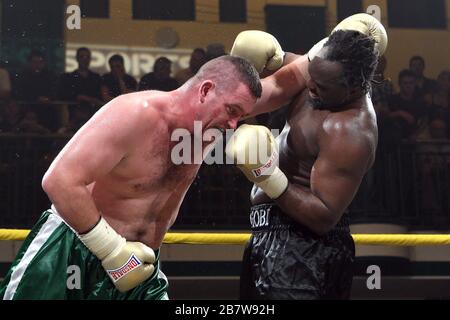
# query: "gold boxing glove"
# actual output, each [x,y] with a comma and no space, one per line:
[254,150]
[128,264]
[260,48]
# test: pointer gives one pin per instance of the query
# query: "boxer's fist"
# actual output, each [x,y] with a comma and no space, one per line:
[260,48]
[128,264]
[254,150]
[368,25]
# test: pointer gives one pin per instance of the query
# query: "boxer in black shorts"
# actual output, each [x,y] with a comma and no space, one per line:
[305,179]
[285,260]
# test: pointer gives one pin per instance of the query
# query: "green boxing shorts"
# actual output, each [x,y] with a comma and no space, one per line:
[53,264]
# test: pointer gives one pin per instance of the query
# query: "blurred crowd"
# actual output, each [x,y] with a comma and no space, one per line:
[39,102]
[420,109]
[31,101]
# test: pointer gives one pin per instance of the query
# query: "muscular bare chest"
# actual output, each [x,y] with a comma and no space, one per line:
[141,196]
[149,168]
[298,143]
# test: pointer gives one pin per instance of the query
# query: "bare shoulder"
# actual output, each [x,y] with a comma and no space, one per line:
[137,103]
[136,109]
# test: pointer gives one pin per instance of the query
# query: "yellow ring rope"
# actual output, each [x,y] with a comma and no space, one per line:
[13,234]
[242,238]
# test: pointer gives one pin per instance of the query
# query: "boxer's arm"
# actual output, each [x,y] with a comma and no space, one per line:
[93,152]
[288,58]
[282,86]
[335,178]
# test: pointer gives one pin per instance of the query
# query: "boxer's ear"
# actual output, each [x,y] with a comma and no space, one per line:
[205,88]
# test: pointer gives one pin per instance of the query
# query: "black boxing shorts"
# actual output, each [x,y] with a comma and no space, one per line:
[285,260]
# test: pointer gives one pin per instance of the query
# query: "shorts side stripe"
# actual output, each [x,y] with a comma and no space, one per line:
[53,221]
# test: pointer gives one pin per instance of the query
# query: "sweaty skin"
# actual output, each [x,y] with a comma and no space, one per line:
[324,152]
[119,164]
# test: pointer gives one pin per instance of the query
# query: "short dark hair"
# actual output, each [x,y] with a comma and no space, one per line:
[162,60]
[247,73]
[357,54]
[405,73]
[416,58]
[82,49]
[116,57]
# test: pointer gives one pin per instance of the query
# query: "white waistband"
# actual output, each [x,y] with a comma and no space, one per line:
[53,209]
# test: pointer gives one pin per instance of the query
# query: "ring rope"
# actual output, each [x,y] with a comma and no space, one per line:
[242,238]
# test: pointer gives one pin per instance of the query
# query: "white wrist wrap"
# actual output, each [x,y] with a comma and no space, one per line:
[275,184]
[102,239]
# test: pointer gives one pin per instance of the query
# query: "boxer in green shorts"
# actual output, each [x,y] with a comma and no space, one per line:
[51,259]
[116,189]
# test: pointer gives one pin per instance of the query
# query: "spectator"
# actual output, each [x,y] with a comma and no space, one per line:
[433,170]
[30,124]
[5,84]
[405,108]
[36,88]
[10,116]
[79,117]
[424,85]
[438,129]
[215,50]
[82,85]
[160,78]
[439,100]
[438,109]
[198,58]
[117,81]
[36,82]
